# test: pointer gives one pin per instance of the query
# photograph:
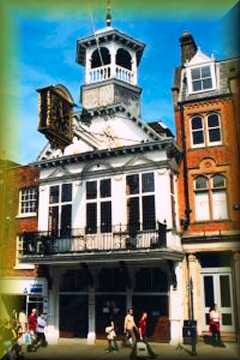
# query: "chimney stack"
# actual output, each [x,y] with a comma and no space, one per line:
[188,47]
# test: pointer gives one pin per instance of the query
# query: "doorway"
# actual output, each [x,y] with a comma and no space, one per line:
[110,305]
[217,289]
[73,315]
[157,308]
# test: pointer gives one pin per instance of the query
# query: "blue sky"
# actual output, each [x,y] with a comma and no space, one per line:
[44,54]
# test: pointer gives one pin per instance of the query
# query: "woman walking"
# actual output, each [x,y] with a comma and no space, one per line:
[214,326]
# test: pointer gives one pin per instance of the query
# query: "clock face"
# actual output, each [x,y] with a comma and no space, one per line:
[110,139]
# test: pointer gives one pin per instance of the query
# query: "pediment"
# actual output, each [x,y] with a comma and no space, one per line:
[59,172]
[199,58]
[99,165]
[139,160]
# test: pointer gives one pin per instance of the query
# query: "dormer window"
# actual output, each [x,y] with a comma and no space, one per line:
[201,78]
[201,73]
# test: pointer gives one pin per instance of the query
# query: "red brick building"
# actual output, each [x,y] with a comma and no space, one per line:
[207,129]
[20,289]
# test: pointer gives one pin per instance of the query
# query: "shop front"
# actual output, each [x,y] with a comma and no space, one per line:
[90,298]
[23,294]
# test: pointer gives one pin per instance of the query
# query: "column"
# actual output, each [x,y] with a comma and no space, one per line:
[129,292]
[88,66]
[113,52]
[91,338]
[52,331]
[176,305]
[236,291]
[134,68]
[195,275]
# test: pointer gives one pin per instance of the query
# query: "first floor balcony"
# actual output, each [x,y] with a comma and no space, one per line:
[100,241]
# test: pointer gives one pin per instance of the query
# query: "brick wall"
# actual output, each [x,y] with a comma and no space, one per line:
[16,178]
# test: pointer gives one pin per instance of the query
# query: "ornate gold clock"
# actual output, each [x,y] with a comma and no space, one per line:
[55,115]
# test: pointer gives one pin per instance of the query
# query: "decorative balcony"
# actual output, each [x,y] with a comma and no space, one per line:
[107,239]
[102,73]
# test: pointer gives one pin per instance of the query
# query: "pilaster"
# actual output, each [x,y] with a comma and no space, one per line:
[236,287]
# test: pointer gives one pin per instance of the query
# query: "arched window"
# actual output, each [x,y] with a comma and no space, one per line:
[100,57]
[197,130]
[123,58]
[210,197]
[206,130]
[213,126]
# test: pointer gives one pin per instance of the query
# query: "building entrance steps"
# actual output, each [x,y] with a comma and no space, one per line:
[77,349]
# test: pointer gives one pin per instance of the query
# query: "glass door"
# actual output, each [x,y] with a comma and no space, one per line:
[217,289]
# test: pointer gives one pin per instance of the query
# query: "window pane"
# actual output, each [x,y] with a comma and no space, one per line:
[207,83]
[53,220]
[219,205]
[218,181]
[105,188]
[225,291]
[91,190]
[226,319]
[66,192]
[214,135]
[133,184]
[206,71]
[201,182]
[54,194]
[195,74]
[202,206]
[198,137]
[91,219]
[197,85]
[133,213]
[197,123]
[66,220]
[213,120]
[106,216]
[148,209]
[208,291]
[147,182]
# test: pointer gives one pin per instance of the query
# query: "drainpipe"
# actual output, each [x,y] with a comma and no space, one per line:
[186,220]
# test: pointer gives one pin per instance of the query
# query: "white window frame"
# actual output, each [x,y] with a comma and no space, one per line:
[210,190]
[98,200]
[141,194]
[60,203]
[20,202]
[19,248]
[190,80]
[206,142]
[203,144]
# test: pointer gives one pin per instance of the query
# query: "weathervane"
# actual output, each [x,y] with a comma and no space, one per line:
[108,18]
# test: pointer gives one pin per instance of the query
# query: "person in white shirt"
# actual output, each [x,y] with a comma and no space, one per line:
[130,327]
[214,326]
[41,324]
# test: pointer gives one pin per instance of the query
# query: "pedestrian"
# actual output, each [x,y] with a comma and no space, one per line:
[32,327]
[111,336]
[41,324]
[32,321]
[142,328]
[130,327]
[214,326]
[22,320]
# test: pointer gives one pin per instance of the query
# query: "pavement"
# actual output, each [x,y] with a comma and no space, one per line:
[75,349]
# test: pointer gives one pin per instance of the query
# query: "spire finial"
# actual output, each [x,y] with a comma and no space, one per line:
[108,18]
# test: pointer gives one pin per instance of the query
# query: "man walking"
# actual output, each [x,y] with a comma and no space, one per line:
[130,327]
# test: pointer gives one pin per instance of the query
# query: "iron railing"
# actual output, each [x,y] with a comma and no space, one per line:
[80,240]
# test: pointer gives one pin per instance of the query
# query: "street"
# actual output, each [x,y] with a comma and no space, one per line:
[78,349]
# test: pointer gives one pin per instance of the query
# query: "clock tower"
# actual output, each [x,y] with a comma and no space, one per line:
[111,59]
